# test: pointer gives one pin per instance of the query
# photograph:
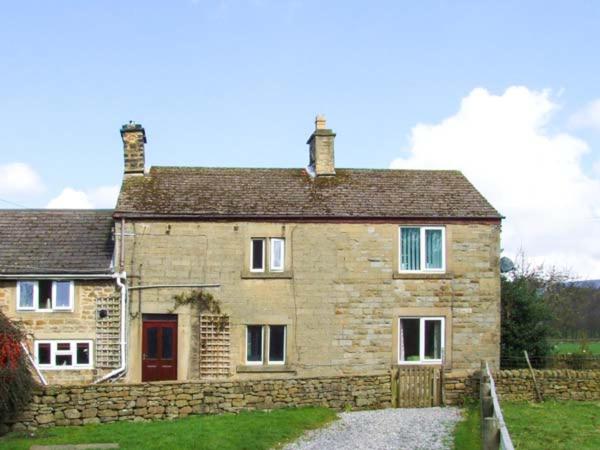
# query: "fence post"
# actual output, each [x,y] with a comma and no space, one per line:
[395,396]
[491,434]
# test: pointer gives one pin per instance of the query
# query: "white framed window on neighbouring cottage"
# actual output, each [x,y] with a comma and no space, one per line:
[421,340]
[45,295]
[422,249]
[257,255]
[64,354]
[277,255]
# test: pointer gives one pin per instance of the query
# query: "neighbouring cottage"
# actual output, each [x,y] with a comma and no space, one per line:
[317,272]
[56,278]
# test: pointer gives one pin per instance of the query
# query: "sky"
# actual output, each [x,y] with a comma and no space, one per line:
[506,91]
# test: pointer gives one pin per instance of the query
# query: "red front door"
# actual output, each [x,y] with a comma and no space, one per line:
[159,347]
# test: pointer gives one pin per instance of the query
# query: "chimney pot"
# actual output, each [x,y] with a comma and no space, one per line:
[320,122]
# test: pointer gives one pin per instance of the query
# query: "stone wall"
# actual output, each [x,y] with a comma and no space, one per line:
[562,384]
[459,386]
[517,385]
[340,296]
[78,405]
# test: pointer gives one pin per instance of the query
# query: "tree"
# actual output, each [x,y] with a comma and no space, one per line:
[525,316]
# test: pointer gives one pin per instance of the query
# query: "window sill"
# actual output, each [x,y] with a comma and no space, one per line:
[422,276]
[262,368]
[247,275]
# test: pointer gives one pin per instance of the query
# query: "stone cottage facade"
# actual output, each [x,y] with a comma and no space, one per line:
[56,278]
[316,271]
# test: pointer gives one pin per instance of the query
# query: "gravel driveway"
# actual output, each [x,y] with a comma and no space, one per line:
[418,428]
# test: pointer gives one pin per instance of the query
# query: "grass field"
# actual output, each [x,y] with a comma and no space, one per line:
[467,434]
[562,348]
[248,430]
[553,425]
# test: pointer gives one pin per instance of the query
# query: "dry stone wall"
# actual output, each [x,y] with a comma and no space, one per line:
[553,384]
[78,405]
[517,385]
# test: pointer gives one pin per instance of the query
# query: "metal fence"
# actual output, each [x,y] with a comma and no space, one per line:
[574,361]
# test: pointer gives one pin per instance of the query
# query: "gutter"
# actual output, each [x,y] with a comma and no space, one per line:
[57,276]
[122,369]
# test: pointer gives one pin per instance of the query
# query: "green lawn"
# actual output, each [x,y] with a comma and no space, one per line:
[562,348]
[553,425]
[248,430]
[467,434]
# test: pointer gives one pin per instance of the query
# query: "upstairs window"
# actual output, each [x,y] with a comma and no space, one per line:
[422,249]
[45,295]
[259,254]
[421,340]
[64,354]
[277,255]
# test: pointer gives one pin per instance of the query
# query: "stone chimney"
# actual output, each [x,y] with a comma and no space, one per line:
[134,138]
[322,162]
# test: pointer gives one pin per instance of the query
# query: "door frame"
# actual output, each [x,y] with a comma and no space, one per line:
[160,319]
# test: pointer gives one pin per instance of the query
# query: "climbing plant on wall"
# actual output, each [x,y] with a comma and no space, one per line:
[203,302]
[16,381]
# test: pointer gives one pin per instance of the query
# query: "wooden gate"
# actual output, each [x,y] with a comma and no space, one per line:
[416,387]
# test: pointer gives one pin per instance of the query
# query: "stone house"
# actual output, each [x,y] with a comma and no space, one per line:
[56,278]
[317,271]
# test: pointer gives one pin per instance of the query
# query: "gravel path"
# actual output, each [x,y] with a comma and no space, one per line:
[422,429]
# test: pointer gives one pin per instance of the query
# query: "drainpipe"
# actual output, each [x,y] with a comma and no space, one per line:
[123,344]
[35,366]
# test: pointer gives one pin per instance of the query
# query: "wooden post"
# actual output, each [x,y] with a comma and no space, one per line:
[491,434]
[395,396]
[535,385]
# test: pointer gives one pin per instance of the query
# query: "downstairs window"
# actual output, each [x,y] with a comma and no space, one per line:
[421,340]
[59,355]
[269,340]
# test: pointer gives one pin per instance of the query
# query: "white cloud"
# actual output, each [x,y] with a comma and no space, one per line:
[530,175]
[588,117]
[101,197]
[19,179]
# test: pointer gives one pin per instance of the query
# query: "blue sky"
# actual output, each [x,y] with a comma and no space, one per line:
[238,83]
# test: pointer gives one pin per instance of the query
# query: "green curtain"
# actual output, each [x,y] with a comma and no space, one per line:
[411,248]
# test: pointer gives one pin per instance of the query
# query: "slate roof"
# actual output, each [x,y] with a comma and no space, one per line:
[291,193]
[55,241]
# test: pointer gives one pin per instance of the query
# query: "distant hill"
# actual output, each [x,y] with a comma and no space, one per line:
[586,283]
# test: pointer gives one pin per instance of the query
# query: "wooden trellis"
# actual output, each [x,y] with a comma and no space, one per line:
[214,346]
[108,329]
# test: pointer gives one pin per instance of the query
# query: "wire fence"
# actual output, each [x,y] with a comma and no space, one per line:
[574,361]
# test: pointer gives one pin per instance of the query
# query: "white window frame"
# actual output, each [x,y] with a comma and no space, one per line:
[277,363]
[72,352]
[262,269]
[36,305]
[35,296]
[422,252]
[262,345]
[422,360]
[272,266]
